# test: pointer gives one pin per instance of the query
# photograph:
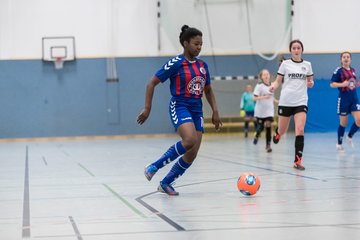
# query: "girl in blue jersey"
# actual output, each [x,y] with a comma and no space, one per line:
[344,79]
[189,79]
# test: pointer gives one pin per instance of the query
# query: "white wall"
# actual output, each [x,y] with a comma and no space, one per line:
[328,26]
[101,27]
[129,27]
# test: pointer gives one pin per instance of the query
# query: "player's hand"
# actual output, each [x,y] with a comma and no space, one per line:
[271,88]
[345,83]
[144,114]
[310,83]
[216,121]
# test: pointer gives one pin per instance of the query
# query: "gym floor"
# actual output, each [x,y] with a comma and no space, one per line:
[95,189]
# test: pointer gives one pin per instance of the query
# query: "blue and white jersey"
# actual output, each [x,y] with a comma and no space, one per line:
[342,74]
[187,78]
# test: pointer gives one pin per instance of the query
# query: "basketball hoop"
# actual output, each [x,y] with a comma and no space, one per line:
[59,62]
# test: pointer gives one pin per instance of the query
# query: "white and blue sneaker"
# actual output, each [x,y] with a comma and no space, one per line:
[350,141]
[340,148]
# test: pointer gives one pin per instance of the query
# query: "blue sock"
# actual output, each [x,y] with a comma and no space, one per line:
[341,131]
[353,130]
[170,155]
[176,171]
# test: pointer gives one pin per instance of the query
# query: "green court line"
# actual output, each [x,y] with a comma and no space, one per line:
[138,212]
[134,209]
[87,170]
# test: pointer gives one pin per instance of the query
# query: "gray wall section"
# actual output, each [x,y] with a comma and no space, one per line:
[39,101]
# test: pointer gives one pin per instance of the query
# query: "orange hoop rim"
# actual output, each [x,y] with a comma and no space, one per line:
[59,59]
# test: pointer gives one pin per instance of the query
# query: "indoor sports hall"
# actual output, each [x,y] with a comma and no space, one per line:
[73,80]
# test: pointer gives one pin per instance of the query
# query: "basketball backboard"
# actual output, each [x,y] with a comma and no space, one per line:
[54,48]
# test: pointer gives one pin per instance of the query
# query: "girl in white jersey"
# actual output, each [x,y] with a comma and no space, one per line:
[264,108]
[297,76]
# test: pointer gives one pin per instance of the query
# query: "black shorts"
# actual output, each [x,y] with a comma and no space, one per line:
[289,111]
[262,120]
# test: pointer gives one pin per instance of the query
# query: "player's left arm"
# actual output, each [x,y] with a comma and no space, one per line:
[310,81]
[357,82]
[210,97]
[310,76]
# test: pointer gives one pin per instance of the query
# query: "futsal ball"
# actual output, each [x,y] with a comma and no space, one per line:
[248,183]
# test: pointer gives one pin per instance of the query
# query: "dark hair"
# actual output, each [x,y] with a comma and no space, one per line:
[296,41]
[187,33]
[346,52]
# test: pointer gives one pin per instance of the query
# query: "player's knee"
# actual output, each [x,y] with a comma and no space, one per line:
[357,122]
[299,131]
[189,142]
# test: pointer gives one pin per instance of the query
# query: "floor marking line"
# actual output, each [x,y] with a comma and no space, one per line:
[134,209]
[118,196]
[263,168]
[26,233]
[159,214]
[76,230]
[86,170]
[45,162]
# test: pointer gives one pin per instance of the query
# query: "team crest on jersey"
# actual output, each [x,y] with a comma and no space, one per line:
[196,85]
[202,70]
[352,84]
[303,69]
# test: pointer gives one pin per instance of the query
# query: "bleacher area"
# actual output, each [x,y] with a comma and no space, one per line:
[231,124]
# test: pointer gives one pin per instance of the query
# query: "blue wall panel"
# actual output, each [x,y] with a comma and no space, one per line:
[322,104]
[38,101]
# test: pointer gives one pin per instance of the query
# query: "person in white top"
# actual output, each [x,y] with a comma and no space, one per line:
[264,108]
[297,76]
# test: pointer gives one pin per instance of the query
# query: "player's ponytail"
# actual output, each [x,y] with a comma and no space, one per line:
[187,33]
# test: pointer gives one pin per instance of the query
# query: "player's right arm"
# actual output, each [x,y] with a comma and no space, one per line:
[279,78]
[242,100]
[337,84]
[150,88]
[276,83]
[335,81]
[165,72]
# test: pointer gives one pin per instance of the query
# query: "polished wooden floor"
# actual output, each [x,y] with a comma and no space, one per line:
[95,189]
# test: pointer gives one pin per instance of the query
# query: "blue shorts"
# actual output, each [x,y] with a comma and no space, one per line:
[182,112]
[249,113]
[345,107]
